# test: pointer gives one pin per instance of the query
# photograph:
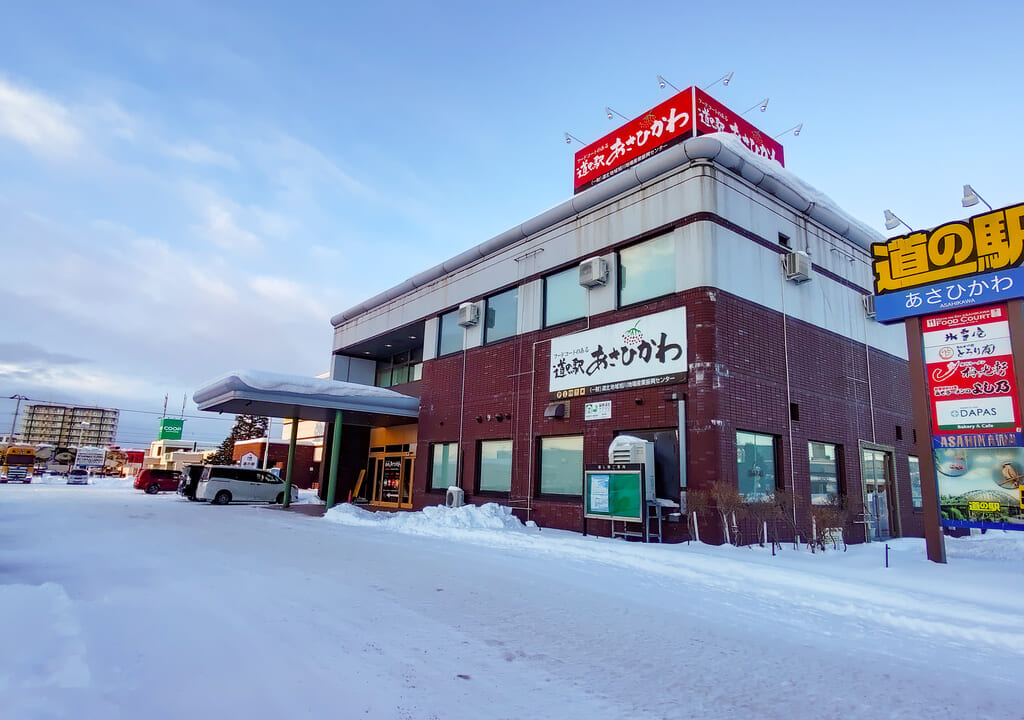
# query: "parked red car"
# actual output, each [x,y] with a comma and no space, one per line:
[153,481]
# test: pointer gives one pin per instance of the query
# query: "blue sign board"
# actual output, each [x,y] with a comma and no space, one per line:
[958,294]
[994,439]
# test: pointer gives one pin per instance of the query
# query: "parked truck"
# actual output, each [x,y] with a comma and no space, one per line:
[19,464]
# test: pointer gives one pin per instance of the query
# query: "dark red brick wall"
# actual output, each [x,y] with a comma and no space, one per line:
[737,381]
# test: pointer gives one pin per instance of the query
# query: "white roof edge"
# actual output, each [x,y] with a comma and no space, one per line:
[724,149]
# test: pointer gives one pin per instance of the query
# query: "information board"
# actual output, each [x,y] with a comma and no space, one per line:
[614,492]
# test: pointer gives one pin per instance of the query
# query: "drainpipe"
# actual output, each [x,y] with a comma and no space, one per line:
[291,462]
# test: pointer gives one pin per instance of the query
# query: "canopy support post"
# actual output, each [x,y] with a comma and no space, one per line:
[291,463]
[332,480]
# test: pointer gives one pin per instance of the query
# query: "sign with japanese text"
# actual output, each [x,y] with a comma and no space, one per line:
[974,291]
[983,243]
[637,140]
[598,410]
[971,381]
[645,352]
[249,460]
[686,114]
[614,492]
[713,116]
[980,488]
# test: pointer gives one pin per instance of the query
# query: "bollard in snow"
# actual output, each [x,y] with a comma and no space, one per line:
[887,554]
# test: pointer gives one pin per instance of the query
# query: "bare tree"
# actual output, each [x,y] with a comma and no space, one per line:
[728,501]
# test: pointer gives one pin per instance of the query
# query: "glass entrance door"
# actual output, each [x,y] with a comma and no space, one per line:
[391,478]
[879,493]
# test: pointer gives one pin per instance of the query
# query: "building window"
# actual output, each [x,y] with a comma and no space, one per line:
[755,463]
[444,465]
[495,466]
[824,472]
[647,270]
[561,465]
[449,336]
[915,482]
[564,298]
[501,314]
[400,368]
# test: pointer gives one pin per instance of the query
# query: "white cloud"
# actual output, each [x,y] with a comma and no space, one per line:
[220,226]
[287,297]
[37,122]
[199,154]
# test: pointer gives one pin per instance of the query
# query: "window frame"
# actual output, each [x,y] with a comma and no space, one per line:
[621,274]
[776,465]
[430,467]
[837,460]
[454,314]
[541,493]
[479,489]
[916,498]
[487,340]
[544,312]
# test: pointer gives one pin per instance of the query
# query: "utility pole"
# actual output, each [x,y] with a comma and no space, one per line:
[17,407]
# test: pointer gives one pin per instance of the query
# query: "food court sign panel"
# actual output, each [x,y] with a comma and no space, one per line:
[958,264]
[688,113]
[971,380]
[645,352]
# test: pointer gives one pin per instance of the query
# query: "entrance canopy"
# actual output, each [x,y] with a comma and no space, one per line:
[253,392]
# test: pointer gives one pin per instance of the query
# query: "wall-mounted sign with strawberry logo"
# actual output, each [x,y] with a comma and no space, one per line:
[647,351]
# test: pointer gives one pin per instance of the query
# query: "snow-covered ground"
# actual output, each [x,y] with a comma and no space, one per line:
[117,604]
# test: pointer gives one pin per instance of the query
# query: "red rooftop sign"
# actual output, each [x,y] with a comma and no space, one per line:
[687,114]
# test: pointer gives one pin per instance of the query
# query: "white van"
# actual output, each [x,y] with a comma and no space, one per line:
[222,484]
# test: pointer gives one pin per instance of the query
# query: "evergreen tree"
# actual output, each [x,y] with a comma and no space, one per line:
[246,427]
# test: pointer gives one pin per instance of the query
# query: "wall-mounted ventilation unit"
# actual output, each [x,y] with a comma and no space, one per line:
[593,271]
[869,305]
[798,266]
[469,314]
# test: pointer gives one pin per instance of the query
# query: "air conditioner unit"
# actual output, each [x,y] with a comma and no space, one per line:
[593,271]
[469,314]
[633,450]
[869,305]
[798,266]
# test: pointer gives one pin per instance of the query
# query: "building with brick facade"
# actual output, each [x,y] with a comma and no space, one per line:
[748,354]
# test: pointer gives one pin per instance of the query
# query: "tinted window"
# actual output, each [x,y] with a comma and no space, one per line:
[647,270]
[449,335]
[561,465]
[495,466]
[755,464]
[564,298]
[502,311]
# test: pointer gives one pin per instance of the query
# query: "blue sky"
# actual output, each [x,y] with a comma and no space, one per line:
[197,187]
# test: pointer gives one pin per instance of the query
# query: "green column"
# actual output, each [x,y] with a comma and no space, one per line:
[332,479]
[291,463]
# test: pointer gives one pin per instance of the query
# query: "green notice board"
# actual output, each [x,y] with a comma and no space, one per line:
[614,492]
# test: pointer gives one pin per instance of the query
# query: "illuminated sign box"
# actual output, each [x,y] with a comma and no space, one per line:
[958,264]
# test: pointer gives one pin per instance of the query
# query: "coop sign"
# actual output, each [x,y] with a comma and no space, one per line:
[649,351]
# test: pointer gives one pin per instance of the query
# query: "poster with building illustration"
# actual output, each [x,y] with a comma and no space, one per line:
[980,485]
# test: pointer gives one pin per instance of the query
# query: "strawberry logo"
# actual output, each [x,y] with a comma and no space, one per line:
[633,337]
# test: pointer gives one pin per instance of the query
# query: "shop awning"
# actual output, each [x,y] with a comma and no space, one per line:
[254,392]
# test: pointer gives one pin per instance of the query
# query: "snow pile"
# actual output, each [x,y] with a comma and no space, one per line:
[993,546]
[436,520]
[115,482]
